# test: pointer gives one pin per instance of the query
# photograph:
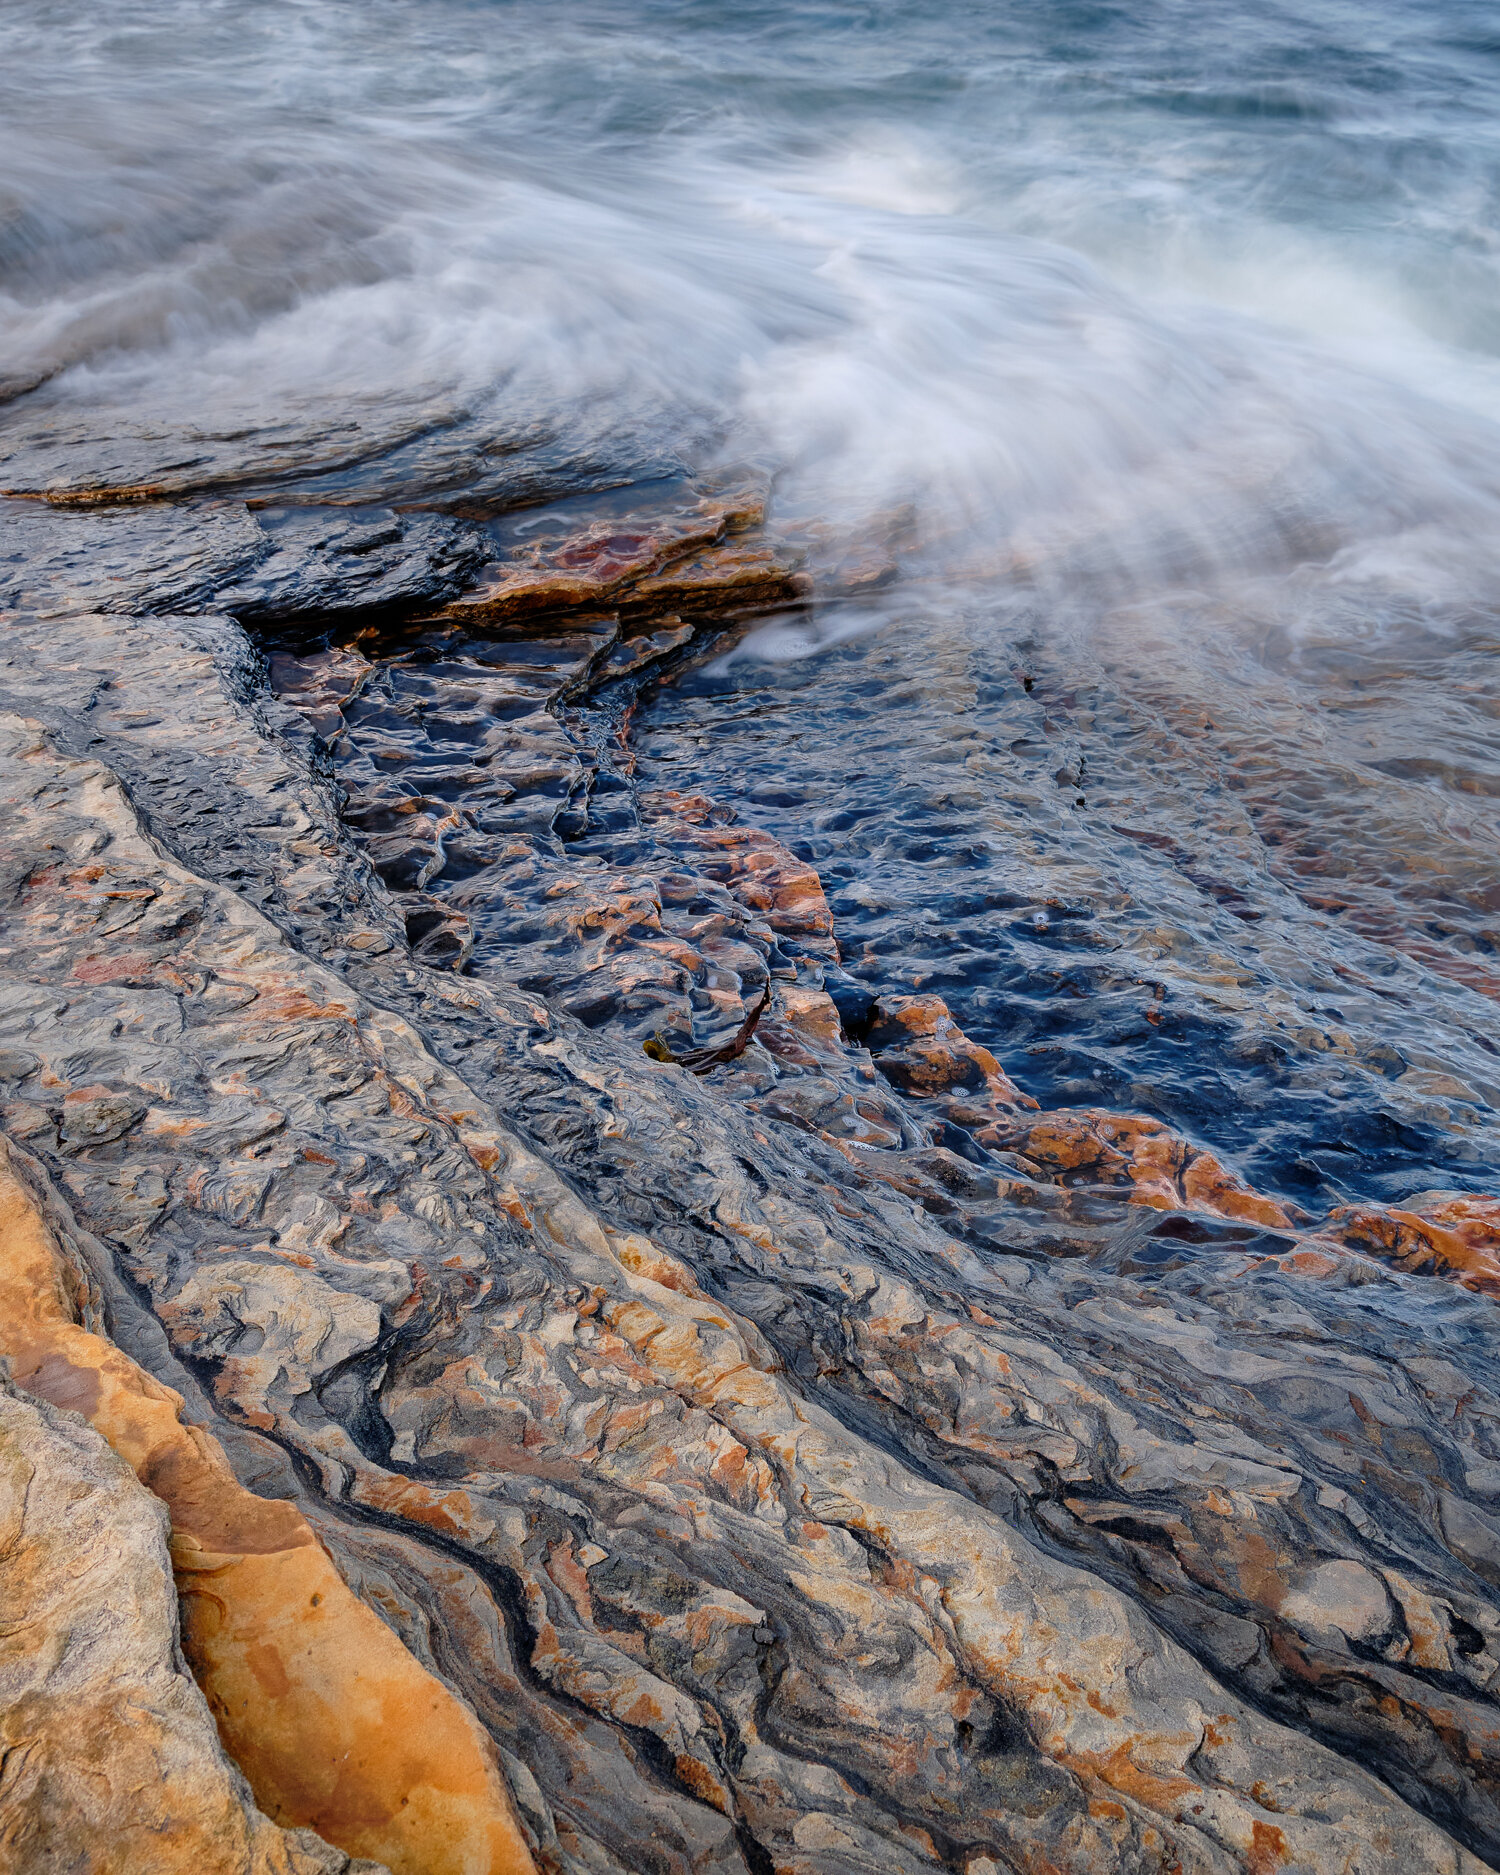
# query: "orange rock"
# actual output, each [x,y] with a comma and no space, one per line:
[1468,1215]
[601,562]
[596,566]
[1451,1234]
[811,1015]
[515,591]
[920,1049]
[337,1727]
[94,495]
[112,1762]
[1207,1186]
[762,874]
[1165,1170]
[726,575]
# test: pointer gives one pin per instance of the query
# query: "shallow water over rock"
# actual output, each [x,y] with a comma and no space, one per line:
[1193,866]
[1206,867]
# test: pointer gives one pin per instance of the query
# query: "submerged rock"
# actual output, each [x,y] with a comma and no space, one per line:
[1444,1233]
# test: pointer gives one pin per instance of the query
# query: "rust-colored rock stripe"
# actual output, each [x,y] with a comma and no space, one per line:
[335,1724]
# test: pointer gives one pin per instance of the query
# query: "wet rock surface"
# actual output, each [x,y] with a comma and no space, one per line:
[576,1173]
[262,563]
[89,454]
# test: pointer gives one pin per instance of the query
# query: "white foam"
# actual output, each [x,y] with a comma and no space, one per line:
[220,219]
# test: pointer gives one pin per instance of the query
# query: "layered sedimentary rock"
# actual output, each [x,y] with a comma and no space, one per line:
[820,1462]
[330,1718]
[110,1754]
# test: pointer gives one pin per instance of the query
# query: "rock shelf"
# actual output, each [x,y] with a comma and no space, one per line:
[827,1462]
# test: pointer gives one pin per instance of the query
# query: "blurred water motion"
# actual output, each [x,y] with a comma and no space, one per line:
[1116,299]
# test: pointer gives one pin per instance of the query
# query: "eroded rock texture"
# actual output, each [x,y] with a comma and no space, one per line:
[801,1453]
[334,1723]
[111,1762]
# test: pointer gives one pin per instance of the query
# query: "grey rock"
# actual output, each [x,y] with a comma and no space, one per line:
[751,1500]
[218,555]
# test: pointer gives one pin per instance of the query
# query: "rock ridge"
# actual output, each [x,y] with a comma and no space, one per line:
[111,1757]
[337,1728]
